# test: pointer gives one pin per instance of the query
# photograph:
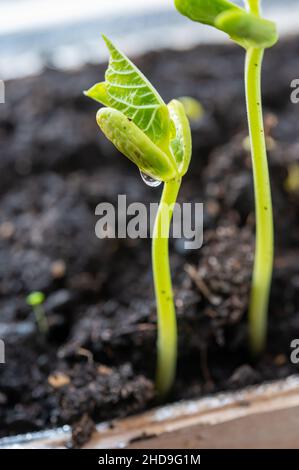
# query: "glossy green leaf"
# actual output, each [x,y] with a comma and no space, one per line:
[204,11]
[136,145]
[181,144]
[247,29]
[127,90]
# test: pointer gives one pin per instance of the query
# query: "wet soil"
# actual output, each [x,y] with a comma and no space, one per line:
[97,360]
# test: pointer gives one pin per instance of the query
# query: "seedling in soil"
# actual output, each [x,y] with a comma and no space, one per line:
[156,137]
[248,29]
[36,300]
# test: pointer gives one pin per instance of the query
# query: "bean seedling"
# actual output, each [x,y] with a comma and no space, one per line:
[36,300]
[248,29]
[156,137]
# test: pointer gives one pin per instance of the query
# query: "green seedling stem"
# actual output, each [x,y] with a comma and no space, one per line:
[264,251]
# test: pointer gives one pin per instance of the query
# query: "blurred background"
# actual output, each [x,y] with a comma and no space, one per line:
[65,33]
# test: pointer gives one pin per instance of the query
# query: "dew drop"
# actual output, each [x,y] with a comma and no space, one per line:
[149,180]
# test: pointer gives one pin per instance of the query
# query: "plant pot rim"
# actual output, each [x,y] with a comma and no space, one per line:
[206,413]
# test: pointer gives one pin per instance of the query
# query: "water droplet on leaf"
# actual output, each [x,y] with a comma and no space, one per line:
[149,180]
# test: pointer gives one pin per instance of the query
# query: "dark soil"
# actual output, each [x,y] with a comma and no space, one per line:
[97,361]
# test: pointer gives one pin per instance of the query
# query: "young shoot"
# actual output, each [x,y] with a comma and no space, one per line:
[248,29]
[156,137]
[36,300]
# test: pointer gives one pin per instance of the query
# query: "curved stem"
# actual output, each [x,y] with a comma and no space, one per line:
[167,325]
[263,262]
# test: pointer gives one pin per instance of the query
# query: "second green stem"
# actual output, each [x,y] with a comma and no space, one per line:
[263,262]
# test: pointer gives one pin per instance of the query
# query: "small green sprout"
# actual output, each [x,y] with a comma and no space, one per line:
[193,108]
[292,181]
[247,28]
[36,300]
[157,138]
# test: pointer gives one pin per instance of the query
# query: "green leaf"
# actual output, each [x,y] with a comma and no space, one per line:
[243,27]
[248,30]
[156,137]
[136,145]
[204,11]
[35,298]
[181,144]
[127,90]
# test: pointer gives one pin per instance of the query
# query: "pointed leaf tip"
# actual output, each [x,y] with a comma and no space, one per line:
[128,90]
